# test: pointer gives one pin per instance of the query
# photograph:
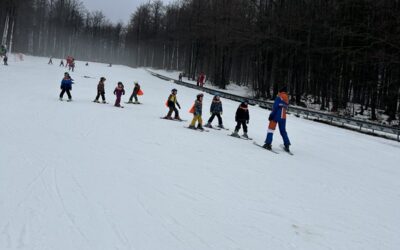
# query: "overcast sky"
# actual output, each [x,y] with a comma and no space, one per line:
[116,10]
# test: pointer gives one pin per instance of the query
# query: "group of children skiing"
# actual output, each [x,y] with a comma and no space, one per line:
[66,87]
[242,117]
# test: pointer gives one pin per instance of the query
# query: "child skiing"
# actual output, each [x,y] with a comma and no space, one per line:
[278,116]
[172,102]
[197,111]
[62,63]
[66,86]
[5,60]
[242,118]
[119,91]
[100,91]
[136,91]
[215,110]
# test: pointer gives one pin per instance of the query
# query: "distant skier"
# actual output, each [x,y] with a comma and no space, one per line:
[197,112]
[278,116]
[172,102]
[66,86]
[50,61]
[71,65]
[62,63]
[87,64]
[215,110]
[201,79]
[242,118]
[101,91]
[180,77]
[136,91]
[3,50]
[118,92]
[5,60]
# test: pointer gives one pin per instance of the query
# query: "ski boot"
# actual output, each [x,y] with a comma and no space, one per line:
[69,100]
[200,127]
[168,117]
[104,102]
[221,126]
[96,101]
[60,99]
[245,135]
[235,134]
[192,127]
[286,148]
[267,146]
[208,125]
[177,118]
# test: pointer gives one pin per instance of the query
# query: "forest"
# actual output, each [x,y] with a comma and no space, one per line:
[333,53]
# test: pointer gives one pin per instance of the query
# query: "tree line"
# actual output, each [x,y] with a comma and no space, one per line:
[332,52]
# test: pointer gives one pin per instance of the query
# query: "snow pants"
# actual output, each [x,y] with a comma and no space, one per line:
[63,90]
[282,130]
[118,101]
[171,110]
[102,94]
[213,116]
[197,118]
[239,124]
[134,95]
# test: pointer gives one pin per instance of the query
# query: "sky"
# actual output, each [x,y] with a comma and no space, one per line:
[116,10]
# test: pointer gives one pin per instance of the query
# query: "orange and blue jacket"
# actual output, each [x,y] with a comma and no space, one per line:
[280,107]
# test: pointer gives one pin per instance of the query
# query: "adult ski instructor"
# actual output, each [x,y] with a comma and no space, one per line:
[278,116]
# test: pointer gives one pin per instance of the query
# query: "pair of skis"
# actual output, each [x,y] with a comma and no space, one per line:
[137,103]
[216,128]
[272,150]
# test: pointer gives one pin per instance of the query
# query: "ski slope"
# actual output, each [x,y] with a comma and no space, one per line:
[81,175]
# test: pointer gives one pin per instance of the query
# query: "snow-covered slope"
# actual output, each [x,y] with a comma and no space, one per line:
[82,175]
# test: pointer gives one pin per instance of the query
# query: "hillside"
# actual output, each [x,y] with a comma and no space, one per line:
[81,175]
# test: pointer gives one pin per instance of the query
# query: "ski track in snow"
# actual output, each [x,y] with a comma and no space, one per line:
[80,175]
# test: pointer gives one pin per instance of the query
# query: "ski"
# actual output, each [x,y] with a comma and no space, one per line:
[137,103]
[215,128]
[283,148]
[102,102]
[241,137]
[196,129]
[177,120]
[273,151]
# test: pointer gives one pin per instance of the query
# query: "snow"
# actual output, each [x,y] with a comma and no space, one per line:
[81,175]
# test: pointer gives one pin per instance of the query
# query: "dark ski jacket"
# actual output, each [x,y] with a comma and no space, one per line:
[242,113]
[136,89]
[216,107]
[100,87]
